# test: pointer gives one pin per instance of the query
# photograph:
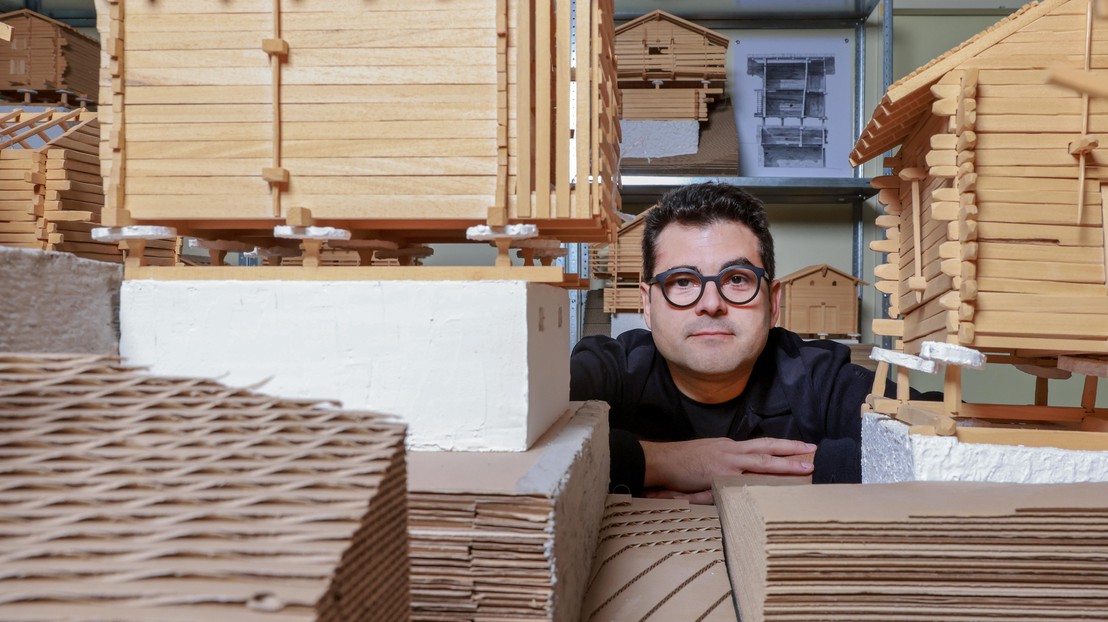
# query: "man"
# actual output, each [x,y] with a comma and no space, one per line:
[713,388]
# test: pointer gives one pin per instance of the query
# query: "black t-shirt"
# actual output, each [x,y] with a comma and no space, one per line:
[799,390]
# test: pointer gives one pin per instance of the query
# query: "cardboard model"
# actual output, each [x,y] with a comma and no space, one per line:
[127,496]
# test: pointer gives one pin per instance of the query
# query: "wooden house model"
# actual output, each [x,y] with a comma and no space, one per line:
[995,212]
[621,265]
[820,301]
[669,68]
[47,56]
[51,191]
[396,121]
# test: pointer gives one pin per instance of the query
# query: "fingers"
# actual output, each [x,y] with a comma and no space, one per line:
[704,497]
[775,446]
[770,465]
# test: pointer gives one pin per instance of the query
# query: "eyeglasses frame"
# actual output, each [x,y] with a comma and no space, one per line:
[704,280]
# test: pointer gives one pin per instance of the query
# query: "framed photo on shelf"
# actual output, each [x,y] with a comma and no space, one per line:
[793,107]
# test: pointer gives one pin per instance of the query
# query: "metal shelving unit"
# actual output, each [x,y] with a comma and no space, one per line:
[795,15]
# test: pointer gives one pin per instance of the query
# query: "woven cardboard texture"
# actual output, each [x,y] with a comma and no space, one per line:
[658,560]
[126,496]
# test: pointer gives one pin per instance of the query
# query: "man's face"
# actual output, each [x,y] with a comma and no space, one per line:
[713,339]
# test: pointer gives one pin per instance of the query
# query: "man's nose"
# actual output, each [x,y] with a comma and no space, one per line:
[711,302]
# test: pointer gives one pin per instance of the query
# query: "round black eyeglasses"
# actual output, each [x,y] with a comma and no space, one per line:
[683,287]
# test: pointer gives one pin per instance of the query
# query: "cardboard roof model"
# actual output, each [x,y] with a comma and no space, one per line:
[127,496]
[388,120]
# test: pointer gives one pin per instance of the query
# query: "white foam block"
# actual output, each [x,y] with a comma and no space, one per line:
[658,139]
[890,454]
[468,365]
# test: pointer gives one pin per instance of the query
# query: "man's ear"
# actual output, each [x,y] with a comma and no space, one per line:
[775,302]
[644,293]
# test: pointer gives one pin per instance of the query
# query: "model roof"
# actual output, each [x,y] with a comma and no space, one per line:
[659,15]
[822,269]
[908,98]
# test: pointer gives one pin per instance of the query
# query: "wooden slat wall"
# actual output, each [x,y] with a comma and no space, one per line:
[392,112]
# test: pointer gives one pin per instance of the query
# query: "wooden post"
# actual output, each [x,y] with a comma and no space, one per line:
[1042,391]
[278,50]
[952,390]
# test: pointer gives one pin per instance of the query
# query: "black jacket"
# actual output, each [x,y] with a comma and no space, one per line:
[799,390]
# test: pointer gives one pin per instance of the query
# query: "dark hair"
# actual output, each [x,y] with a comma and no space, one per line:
[706,204]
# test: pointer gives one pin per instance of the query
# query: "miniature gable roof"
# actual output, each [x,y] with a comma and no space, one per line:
[660,15]
[822,268]
[899,110]
[29,13]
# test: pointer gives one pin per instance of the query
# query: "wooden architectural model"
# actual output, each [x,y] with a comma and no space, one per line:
[47,56]
[389,121]
[995,212]
[820,301]
[51,192]
[621,265]
[669,68]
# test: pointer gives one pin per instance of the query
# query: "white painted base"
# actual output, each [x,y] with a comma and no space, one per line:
[623,322]
[890,454]
[658,139]
[57,302]
[468,365]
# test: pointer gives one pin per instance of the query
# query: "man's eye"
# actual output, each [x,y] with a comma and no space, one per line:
[738,279]
[683,282]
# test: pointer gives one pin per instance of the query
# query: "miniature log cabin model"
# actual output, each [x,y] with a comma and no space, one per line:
[47,61]
[669,68]
[995,222]
[373,128]
[620,264]
[820,301]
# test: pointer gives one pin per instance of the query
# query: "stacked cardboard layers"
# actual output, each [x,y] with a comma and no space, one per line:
[956,551]
[125,496]
[509,536]
[658,560]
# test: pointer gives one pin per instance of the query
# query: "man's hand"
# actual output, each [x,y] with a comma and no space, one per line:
[690,466]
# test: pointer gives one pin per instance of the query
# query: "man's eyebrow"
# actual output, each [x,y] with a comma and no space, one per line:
[738,261]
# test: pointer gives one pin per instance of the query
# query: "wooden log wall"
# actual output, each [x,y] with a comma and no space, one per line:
[668,104]
[395,116]
[51,196]
[1014,234]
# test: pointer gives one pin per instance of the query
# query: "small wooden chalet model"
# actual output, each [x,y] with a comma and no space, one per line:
[995,213]
[820,301]
[49,57]
[395,122]
[621,265]
[669,68]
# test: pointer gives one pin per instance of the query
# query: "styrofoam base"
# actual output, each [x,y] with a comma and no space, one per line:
[890,454]
[468,365]
[658,139]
